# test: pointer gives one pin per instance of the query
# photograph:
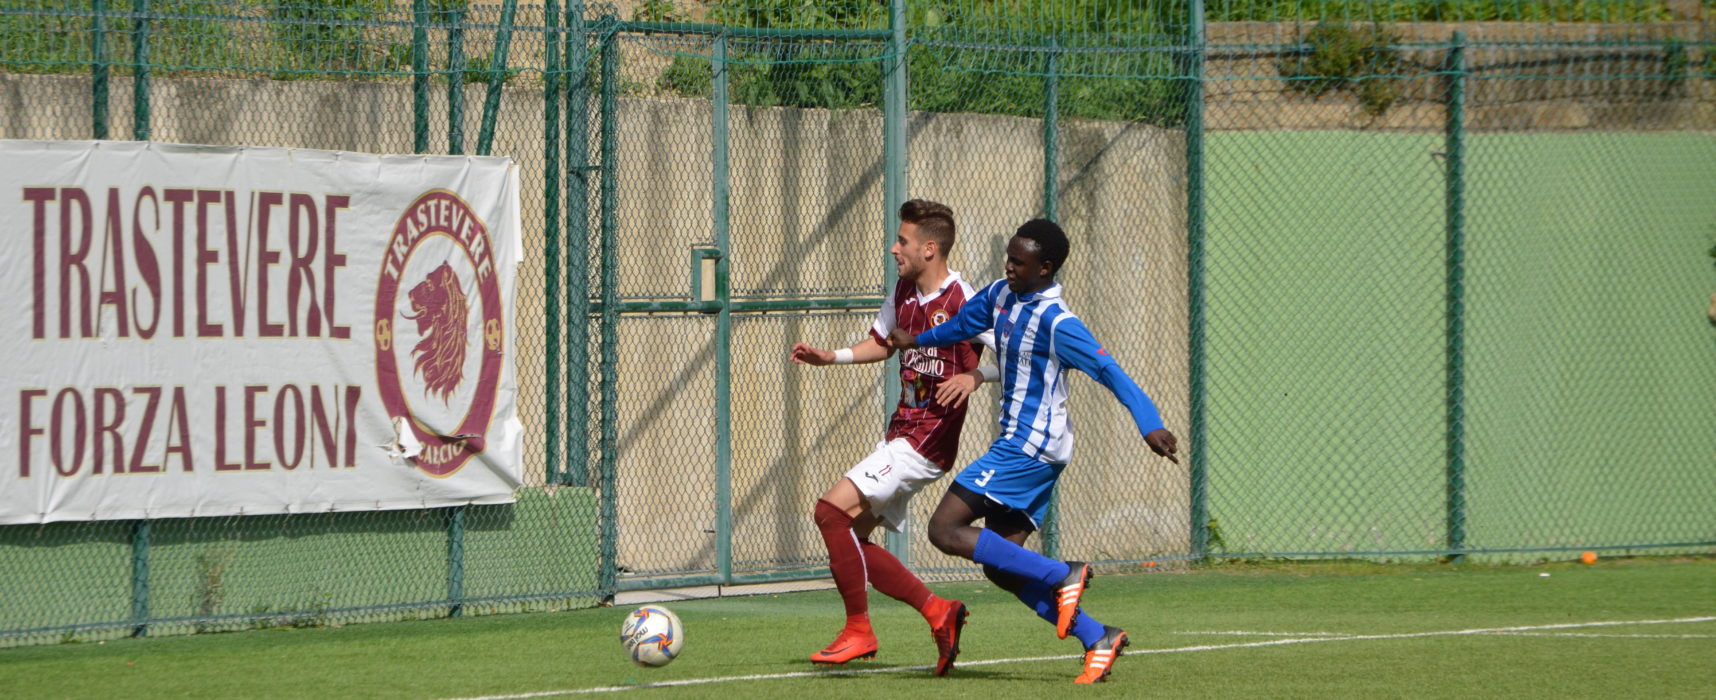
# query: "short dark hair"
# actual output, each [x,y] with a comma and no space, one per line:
[1051,242]
[933,219]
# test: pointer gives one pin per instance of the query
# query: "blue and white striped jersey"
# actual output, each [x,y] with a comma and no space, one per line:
[1037,338]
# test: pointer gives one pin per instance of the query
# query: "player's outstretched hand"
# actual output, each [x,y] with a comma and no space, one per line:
[1163,443]
[805,354]
[953,390]
[900,339]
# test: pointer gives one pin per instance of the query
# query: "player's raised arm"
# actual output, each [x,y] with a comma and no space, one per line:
[868,350]
[1076,347]
[864,352]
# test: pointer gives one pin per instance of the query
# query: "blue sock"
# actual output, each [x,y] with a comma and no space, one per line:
[1087,629]
[1001,553]
[1042,600]
[1039,599]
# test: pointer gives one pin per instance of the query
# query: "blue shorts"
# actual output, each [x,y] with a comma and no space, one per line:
[1007,476]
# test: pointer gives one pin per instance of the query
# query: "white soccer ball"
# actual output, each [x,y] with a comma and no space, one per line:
[652,636]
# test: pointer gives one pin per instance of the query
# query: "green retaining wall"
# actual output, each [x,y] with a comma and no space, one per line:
[212,574]
[1590,369]
[1591,366]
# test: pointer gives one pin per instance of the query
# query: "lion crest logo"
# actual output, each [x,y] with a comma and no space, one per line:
[438,273]
[439,307]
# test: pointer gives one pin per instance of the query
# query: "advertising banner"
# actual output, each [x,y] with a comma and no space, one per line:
[211,331]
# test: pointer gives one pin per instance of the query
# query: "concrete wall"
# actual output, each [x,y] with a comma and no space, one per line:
[1577,87]
[807,218]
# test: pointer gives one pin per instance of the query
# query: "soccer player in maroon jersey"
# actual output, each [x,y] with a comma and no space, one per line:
[921,442]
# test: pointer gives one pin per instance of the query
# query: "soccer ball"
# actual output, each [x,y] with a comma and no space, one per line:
[652,636]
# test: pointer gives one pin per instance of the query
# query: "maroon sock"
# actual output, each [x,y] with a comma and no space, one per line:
[892,578]
[845,558]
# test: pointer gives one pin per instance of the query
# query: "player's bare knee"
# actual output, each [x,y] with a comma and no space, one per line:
[945,537]
[844,495]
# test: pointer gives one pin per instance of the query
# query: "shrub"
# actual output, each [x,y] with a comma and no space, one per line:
[1364,62]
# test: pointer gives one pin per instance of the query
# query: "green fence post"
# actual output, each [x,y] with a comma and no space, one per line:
[140,578]
[420,75]
[1051,127]
[893,146]
[1456,293]
[140,73]
[610,310]
[893,195]
[456,81]
[497,78]
[1051,192]
[577,96]
[554,388]
[1198,459]
[456,561]
[98,68]
[723,321]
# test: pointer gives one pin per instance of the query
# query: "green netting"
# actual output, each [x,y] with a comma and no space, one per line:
[1409,279]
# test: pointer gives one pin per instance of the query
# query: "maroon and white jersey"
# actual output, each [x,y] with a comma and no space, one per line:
[931,428]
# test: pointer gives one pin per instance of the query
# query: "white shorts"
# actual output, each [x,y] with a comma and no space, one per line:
[889,477]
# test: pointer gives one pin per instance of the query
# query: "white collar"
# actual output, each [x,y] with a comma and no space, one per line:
[952,278]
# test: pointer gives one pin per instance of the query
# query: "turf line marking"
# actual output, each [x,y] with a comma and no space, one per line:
[1243,633]
[1606,636]
[1171,650]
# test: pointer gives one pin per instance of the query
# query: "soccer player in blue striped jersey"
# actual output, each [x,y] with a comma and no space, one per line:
[1038,338]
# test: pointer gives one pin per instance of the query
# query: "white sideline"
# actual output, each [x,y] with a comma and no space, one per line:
[1606,636]
[1249,633]
[1172,650]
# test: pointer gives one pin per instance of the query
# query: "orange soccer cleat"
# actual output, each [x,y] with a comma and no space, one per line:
[1070,591]
[947,619]
[1099,658]
[849,645]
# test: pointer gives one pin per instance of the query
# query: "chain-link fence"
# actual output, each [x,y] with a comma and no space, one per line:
[1409,280]
[1439,291]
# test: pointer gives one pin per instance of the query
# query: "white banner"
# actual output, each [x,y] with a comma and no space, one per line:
[211,331]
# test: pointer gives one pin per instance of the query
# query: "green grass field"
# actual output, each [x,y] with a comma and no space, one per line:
[1636,628]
